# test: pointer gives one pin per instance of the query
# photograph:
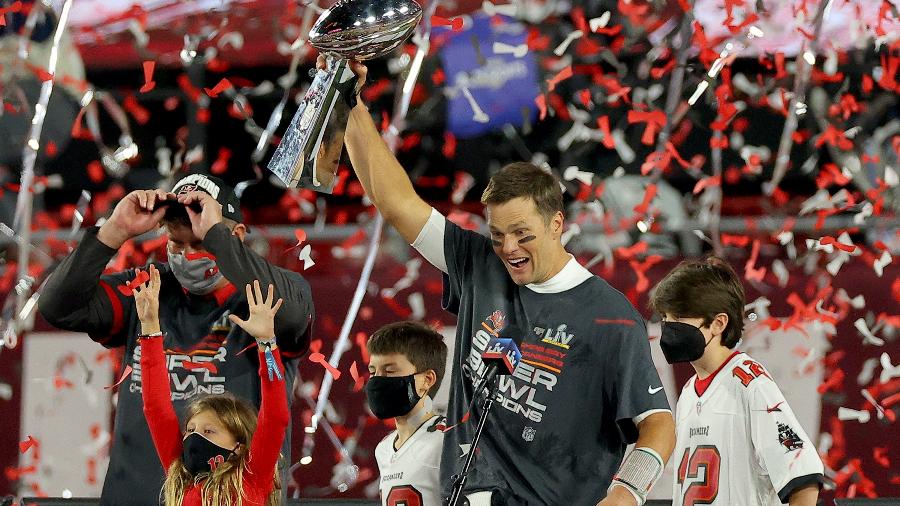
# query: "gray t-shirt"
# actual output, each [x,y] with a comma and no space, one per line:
[559,428]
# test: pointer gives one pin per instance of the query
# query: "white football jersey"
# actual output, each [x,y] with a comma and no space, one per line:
[410,476]
[739,443]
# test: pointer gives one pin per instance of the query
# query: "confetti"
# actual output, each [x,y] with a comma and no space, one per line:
[358,381]
[125,374]
[149,83]
[28,444]
[318,358]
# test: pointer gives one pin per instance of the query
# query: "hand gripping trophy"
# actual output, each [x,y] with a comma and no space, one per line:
[310,150]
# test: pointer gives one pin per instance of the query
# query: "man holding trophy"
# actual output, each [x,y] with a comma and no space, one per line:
[567,419]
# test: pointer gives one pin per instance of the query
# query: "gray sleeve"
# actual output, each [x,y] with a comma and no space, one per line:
[637,388]
[241,265]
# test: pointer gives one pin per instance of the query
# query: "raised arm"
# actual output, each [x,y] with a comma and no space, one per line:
[158,410]
[379,172]
[100,311]
[241,265]
[273,410]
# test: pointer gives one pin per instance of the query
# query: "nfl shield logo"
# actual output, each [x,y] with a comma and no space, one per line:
[528,434]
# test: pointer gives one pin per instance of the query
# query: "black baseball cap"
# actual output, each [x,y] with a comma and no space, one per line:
[217,189]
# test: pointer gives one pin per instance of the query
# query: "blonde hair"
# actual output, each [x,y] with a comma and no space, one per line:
[224,484]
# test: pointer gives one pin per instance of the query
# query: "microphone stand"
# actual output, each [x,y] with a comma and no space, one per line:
[459,480]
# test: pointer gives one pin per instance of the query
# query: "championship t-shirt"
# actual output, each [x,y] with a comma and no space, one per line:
[561,422]
[738,442]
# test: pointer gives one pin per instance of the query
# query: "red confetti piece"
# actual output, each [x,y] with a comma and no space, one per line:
[29,443]
[361,340]
[222,86]
[828,240]
[707,182]
[834,382]
[541,102]
[318,358]
[60,382]
[751,273]
[880,456]
[149,83]
[193,366]
[128,289]
[139,112]
[456,24]
[649,195]
[125,374]
[221,164]
[95,172]
[560,77]
[358,381]
[654,119]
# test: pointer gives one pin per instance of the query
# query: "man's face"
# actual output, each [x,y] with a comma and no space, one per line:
[527,245]
[182,239]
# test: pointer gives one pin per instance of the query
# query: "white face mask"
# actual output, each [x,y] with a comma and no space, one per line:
[199,276]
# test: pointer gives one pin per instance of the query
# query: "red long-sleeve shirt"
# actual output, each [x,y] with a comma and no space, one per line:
[167,435]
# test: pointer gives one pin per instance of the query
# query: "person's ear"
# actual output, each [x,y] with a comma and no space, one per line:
[240,230]
[719,324]
[556,224]
[429,378]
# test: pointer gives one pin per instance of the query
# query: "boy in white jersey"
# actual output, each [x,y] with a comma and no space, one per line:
[406,364]
[737,440]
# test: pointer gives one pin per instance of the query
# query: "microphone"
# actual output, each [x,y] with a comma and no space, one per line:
[502,355]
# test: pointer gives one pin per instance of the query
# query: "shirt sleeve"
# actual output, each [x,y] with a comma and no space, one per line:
[158,410]
[780,444]
[430,241]
[271,427]
[241,265]
[637,389]
[462,250]
[102,311]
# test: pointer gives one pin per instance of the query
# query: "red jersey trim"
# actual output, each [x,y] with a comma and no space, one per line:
[700,385]
[118,312]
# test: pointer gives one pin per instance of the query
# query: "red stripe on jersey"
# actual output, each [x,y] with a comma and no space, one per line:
[116,308]
[700,385]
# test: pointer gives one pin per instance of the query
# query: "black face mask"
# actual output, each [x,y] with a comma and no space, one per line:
[681,342]
[200,455]
[392,396]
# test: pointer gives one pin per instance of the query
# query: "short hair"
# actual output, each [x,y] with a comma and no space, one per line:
[703,289]
[419,343]
[524,179]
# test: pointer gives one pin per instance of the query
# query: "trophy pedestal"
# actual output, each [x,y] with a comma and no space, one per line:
[310,150]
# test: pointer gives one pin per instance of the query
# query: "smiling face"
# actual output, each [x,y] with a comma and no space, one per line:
[207,424]
[528,245]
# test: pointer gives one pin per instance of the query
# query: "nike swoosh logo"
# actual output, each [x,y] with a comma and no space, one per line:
[651,390]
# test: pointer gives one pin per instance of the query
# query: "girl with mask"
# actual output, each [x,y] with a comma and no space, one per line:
[224,455]
[731,419]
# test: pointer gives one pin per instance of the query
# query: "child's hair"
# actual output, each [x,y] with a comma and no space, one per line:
[419,343]
[223,485]
[703,289]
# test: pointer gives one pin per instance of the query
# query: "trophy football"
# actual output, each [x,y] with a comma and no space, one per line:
[310,150]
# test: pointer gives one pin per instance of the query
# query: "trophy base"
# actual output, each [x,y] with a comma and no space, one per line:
[310,151]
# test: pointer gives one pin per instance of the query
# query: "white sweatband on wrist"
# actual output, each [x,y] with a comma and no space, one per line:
[639,472]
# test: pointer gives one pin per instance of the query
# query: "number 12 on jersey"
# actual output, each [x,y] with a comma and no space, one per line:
[705,491]
[404,495]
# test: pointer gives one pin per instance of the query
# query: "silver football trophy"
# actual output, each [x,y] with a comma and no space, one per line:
[310,150]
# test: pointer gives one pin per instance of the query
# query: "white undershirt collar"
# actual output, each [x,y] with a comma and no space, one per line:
[571,275]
